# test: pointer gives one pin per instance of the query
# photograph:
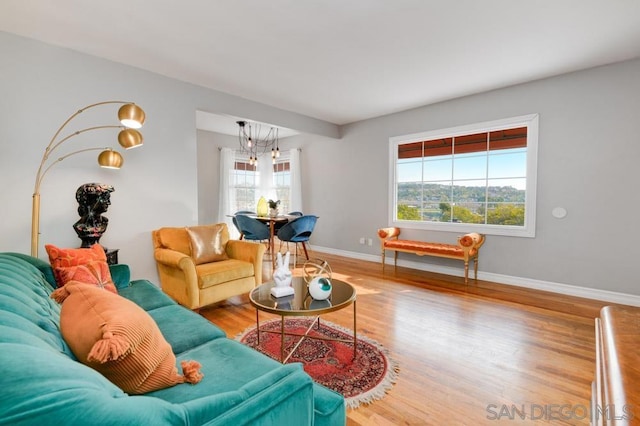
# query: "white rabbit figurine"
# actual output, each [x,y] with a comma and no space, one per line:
[282,277]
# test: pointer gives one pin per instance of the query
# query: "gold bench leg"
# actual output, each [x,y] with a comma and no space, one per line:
[466,272]
[475,268]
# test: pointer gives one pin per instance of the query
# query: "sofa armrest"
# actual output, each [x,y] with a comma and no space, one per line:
[248,252]
[121,275]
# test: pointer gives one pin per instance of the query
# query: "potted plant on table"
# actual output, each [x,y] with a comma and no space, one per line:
[273,208]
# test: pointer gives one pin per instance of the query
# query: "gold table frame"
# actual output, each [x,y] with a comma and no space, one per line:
[300,304]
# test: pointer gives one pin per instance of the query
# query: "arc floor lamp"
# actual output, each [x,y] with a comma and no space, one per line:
[131,117]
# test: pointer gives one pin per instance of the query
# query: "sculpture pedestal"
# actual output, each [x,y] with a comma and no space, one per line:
[281,291]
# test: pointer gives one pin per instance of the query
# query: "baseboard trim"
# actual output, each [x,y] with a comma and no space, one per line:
[567,289]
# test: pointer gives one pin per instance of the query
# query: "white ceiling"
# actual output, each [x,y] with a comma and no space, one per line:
[227,124]
[340,60]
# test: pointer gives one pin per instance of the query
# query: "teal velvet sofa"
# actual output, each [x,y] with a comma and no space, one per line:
[42,382]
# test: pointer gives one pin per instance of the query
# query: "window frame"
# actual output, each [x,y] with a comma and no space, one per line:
[258,186]
[278,184]
[255,178]
[530,121]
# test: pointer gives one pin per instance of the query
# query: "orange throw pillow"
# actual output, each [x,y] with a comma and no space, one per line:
[94,272]
[88,265]
[117,338]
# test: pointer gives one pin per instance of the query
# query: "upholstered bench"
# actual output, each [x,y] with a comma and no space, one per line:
[467,249]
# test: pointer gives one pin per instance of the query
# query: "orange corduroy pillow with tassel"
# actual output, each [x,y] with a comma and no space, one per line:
[117,338]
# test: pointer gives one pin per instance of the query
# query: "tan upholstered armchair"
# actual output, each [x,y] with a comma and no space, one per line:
[200,265]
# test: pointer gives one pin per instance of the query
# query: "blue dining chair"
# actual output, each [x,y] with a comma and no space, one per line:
[235,222]
[297,231]
[252,229]
[279,225]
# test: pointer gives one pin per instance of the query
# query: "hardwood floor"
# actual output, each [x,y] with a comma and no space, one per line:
[468,355]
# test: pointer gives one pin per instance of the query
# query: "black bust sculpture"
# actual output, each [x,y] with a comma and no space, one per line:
[93,200]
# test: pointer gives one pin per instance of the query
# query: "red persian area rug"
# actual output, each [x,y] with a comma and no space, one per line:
[361,380]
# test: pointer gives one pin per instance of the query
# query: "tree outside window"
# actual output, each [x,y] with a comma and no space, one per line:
[478,177]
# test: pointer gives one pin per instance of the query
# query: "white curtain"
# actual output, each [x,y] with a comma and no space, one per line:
[265,171]
[295,197]
[227,193]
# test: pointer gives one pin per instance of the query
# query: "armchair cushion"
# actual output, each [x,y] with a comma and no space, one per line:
[211,274]
[208,243]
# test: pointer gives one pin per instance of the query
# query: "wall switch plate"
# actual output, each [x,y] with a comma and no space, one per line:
[369,241]
[362,240]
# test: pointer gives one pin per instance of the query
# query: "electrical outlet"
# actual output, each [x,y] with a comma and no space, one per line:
[369,242]
[361,240]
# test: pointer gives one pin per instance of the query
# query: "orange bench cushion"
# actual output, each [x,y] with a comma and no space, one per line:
[427,248]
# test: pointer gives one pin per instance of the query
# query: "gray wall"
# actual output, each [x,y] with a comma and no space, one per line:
[588,158]
[588,152]
[41,85]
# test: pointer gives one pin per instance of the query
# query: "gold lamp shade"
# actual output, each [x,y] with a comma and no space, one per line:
[131,115]
[130,138]
[110,159]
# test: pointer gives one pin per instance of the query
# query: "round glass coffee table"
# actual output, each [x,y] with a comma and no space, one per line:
[302,304]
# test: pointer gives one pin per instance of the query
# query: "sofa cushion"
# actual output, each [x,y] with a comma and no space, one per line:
[41,265]
[88,265]
[210,274]
[50,389]
[146,295]
[44,333]
[118,339]
[190,331]
[25,303]
[208,243]
[328,406]
[217,378]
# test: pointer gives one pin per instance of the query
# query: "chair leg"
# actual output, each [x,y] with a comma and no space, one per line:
[304,247]
[295,256]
